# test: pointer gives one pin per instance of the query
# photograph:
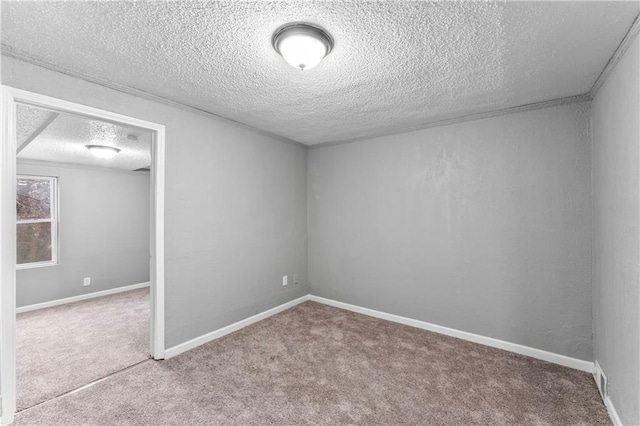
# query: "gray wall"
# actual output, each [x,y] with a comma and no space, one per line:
[104,234]
[236,207]
[616,192]
[483,226]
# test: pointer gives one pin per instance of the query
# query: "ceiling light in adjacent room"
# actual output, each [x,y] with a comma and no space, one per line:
[302,45]
[103,151]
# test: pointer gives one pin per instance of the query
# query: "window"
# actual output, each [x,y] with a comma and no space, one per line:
[37,221]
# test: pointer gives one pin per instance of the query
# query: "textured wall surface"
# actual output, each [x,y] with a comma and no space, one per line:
[483,226]
[104,234]
[235,214]
[396,64]
[616,254]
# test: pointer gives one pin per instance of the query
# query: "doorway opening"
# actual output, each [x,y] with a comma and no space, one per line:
[82,256]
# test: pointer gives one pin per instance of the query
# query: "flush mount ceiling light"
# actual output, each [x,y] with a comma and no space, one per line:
[301,44]
[103,151]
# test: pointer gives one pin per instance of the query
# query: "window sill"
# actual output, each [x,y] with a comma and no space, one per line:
[36,265]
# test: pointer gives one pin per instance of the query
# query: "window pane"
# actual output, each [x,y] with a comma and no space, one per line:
[34,242]
[33,199]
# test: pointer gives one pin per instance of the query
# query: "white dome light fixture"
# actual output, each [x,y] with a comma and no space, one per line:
[102,151]
[301,44]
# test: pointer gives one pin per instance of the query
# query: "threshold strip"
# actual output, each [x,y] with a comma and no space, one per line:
[79,388]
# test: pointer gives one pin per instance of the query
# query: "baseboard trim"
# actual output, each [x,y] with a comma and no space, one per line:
[564,360]
[81,297]
[206,338]
[613,414]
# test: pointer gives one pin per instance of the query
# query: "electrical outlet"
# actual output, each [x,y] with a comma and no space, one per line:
[285,280]
[295,279]
[87,281]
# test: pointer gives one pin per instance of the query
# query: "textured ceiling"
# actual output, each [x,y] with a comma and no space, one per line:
[395,65]
[64,140]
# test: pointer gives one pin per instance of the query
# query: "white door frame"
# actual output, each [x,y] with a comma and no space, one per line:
[11,96]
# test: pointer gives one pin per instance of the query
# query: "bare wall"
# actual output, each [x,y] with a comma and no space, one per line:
[616,274]
[483,226]
[235,213]
[104,234]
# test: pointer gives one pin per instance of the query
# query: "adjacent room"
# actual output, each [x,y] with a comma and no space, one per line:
[82,279]
[327,212]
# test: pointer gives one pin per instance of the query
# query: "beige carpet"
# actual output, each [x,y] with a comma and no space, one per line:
[67,346]
[315,364]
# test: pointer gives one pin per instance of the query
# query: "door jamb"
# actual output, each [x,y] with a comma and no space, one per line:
[9,97]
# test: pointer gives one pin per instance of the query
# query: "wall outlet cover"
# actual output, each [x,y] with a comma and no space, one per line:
[285,280]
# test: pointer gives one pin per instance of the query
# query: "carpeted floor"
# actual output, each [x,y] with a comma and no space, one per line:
[315,364]
[67,346]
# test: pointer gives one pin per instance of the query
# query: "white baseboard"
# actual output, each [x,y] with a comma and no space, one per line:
[190,344]
[79,298]
[476,338]
[613,414]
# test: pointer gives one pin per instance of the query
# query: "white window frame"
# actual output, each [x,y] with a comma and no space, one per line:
[55,237]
